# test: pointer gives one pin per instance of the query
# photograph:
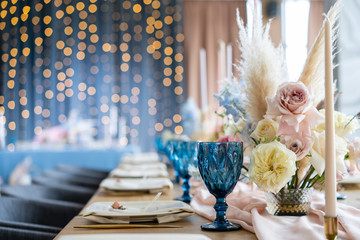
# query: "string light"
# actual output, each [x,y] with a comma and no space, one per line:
[64,74]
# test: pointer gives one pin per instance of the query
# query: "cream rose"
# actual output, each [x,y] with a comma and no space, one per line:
[317,152]
[272,166]
[341,120]
[265,129]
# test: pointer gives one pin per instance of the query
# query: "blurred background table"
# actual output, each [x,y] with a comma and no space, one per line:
[42,159]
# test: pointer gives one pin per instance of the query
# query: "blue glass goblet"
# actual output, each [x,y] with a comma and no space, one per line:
[186,152]
[160,144]
[220,167]
[171,154]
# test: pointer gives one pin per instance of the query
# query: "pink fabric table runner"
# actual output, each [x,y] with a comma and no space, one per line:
[247,208]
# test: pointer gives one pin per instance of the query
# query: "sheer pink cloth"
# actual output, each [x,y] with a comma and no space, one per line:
[247,208]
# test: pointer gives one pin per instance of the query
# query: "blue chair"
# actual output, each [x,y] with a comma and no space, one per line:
[24,234]
[34,215]
[58,184]
[73,179]
[47,195]
[82,171]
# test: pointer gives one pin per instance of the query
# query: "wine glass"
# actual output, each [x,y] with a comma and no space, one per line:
[160,144]
[169,149]
[186,152]
[220,167]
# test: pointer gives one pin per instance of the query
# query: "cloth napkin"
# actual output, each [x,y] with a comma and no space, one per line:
[141,158]
[134,173]
[127,184]
[247,208]
[142,166]
[160,211]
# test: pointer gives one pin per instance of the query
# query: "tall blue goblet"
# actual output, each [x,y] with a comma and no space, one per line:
[220,167]
[160,144]
[172,156]
[186,152]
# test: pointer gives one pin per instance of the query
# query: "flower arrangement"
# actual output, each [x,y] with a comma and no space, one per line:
[279,118]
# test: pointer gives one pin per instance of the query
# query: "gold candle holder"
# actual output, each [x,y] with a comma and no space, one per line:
[331,227]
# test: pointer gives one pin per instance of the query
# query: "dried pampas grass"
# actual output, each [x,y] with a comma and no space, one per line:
[261,66]
[313,73]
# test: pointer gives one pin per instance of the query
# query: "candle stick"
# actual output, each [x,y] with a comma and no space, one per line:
[229,61]
[203,80]
[223,59]
[330,165]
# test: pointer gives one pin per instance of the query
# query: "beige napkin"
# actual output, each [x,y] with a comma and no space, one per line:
[143,166]
[134,173]
[136,184]
[141,158]
[160,211]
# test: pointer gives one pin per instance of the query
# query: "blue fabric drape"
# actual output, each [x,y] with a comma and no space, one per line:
[92,57]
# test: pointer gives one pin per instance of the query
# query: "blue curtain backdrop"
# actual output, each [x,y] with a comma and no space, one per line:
[92,56]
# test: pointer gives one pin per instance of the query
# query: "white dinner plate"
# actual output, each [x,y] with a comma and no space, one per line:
[160,211]
[355,179]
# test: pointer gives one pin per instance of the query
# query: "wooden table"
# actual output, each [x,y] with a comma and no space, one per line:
[189,225]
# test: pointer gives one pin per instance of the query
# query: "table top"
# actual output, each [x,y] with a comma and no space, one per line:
[189,225]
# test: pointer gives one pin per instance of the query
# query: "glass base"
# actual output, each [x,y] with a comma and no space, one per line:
[176,179]
[220,226]
[289,202]
[185,199]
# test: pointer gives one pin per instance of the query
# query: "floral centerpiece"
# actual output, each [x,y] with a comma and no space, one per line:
[280,121]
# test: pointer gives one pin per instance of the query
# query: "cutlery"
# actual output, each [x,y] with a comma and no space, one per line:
[151,203]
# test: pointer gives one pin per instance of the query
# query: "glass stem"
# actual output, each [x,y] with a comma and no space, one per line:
[177,176]
[186,187]
[220,208]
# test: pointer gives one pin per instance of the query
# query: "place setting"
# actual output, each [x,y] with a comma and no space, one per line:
[137,185]
[137,211]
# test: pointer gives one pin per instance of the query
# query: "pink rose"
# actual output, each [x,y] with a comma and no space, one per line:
[231,138]
[300,145]
[291,98]
[294,104]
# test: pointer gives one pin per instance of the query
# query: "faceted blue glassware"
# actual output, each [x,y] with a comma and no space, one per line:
[220,166]
[171,154]
[186,152]
[160,145]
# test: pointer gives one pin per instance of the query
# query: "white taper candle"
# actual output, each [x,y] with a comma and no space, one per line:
[203,80]
[330,164]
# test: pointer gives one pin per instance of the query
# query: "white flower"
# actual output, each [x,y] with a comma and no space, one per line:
[234,127]
[317,158]
[341,120]
[272,166]
[265,129]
